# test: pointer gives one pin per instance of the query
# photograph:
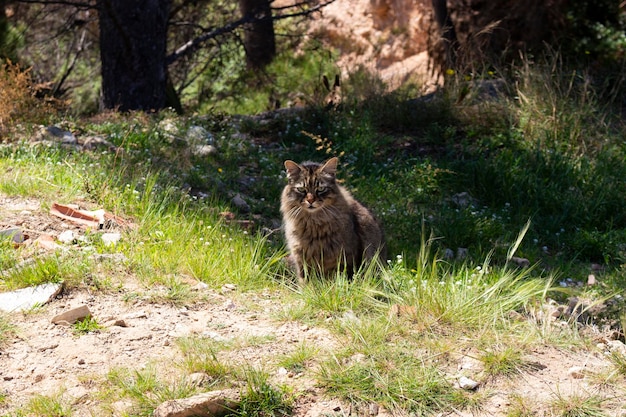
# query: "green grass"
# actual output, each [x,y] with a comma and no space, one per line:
[505,361]
[261,398]
[200,355]
[48,406]
[85,326]
[298,360]
[578,405]
[409,385]
[145,388]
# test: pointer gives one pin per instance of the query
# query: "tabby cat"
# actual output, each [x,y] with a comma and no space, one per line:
[325,227]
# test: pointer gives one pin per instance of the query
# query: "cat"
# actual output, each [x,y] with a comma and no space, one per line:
[326,229]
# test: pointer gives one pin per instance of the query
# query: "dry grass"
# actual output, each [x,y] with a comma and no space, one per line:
[17,98]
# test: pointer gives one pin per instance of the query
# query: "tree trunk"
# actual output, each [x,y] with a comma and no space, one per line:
[448,34]
[259,41]
[6,50]
[133,37]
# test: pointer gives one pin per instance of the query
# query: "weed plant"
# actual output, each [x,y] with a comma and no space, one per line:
[85,326]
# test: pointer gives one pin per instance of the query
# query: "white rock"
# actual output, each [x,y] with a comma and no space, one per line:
[616,346]
[215,336]
[197,135]
[467,383]
[66,237]
[27,298]
[111,239]
[204,150]
[200,286]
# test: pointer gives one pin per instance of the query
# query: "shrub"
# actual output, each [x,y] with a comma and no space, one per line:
[17,99]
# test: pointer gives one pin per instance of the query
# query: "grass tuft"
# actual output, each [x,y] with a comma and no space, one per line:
[261,398]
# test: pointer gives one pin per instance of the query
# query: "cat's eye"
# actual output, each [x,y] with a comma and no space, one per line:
[301,190]
[322,189]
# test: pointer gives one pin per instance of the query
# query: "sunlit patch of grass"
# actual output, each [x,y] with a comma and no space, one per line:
[578,405]
[85,326]
[145,389]
[520,407]
[409,383]
[505,361]
[199,354]
[325,297]
[41,271]
[48,406]
[298,360]
[261,398]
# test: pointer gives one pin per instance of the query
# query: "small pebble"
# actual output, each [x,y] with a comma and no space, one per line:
[467,383]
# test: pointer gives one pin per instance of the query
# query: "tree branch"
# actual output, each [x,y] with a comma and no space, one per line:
[80,4]
[192,45]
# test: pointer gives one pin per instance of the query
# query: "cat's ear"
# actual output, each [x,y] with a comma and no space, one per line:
[330,166]
[292,168]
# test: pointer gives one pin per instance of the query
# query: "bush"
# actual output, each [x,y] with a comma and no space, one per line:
[17,100]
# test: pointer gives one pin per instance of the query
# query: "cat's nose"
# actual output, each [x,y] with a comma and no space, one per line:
[309,198]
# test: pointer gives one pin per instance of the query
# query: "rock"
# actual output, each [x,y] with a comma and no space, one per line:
[204,150]
[228,288]
[72,316]
[110,239]
[520,262]
[467,383]
[56,134]
[591,279]
[116,323]
[208,404]
[215,336]
[66,237]
[200,286]
[463,200]
[462,253]
[448,254]
[616,346]
[576,372]
[240,203]
[27,298]
[229,305]
[199,379]
[47,242]
[93,142]
[14,233]
[197,135]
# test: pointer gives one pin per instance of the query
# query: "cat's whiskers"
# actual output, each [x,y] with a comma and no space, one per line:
[294,212]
